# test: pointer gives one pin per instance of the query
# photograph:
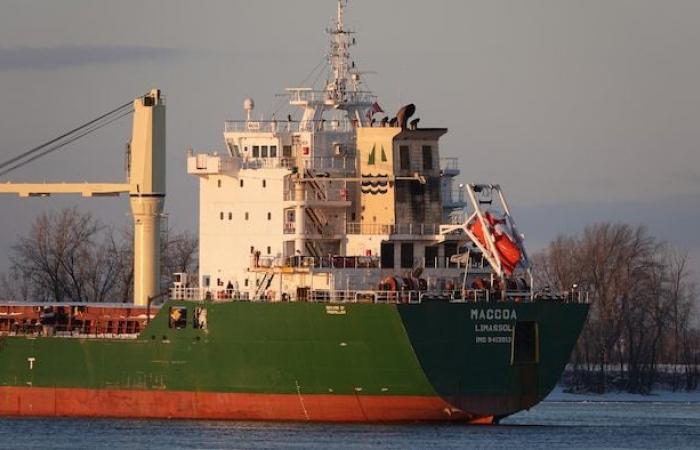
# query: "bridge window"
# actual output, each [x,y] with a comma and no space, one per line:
[269,216]
[404,157]
[247,216]
[256,151]
[230,216]
[218,183]
[273,151]
[241,183]
[264,183]
[263,152]
[221,215]
[269,250]
[177,317]
[286,151]
[427,157]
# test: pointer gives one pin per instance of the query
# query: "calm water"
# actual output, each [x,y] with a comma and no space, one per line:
[549,425]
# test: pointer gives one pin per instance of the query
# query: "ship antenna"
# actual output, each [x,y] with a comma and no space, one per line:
[339,58]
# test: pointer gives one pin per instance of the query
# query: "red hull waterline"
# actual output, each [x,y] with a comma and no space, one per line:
[72,402]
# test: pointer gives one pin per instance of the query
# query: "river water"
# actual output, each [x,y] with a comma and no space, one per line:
[548,425]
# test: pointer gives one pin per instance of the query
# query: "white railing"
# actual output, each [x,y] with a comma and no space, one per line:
[319,163]
[324,262]
[353,262]
[454,197]
[347,163]
[284,126]
[304,95]
[324,194]
[209,163]
[268,163]
[210,293]
[451,164]
[373,296]
[446,262]
[398,228]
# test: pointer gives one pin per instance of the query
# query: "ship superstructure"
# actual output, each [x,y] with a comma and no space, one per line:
[303,204]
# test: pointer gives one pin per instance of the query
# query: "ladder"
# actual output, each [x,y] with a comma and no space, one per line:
[318,191]
[264,285]
[315,219]
[311,248]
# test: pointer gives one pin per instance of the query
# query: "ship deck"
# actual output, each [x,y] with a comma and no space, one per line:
[126,321]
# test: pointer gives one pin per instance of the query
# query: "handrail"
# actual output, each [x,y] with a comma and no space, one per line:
[94,330]
[449,163]
[393,228]
[377,296]
[281,126]
[322,163]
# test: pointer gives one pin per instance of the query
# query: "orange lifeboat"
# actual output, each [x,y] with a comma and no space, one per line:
[507,250]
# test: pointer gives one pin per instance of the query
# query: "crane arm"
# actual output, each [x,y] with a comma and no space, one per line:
[47,189]
[145,182]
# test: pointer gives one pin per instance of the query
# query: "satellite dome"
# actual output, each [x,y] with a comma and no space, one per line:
[248,104]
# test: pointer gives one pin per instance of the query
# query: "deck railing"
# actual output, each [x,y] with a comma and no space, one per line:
[323,194]
[35,328]
[285,126]
[454,197]
[372,296]
[420,229]
[316,163]
[451,164]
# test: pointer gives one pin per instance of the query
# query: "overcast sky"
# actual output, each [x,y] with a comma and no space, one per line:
[582,110]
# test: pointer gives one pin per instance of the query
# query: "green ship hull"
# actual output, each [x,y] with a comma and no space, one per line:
[437,360]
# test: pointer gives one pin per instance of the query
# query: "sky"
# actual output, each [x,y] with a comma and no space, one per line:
[584,111]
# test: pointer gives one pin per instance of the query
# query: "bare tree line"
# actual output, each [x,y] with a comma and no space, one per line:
[69,256]
[642,329]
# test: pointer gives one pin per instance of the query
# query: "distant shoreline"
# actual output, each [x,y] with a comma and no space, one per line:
[658,395]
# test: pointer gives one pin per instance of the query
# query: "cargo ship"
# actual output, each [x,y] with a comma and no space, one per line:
[343,277]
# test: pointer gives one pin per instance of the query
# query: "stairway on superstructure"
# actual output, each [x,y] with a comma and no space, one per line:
[317,218]
[264,284]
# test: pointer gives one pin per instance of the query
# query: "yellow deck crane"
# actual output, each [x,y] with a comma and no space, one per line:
[145,183]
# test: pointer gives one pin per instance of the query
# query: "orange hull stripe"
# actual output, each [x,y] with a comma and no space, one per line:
[73,402]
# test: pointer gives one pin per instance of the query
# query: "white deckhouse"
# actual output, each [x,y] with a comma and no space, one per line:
[329,200]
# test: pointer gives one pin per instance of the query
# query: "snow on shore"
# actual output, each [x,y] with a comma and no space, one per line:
[558,395]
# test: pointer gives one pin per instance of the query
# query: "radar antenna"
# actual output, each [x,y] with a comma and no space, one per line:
[339,58]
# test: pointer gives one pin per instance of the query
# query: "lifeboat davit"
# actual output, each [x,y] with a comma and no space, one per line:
[507,250]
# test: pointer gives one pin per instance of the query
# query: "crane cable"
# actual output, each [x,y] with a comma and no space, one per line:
[57,143]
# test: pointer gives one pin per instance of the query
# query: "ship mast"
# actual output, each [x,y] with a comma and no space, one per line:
[342,90]
[342,86]
[339,58]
